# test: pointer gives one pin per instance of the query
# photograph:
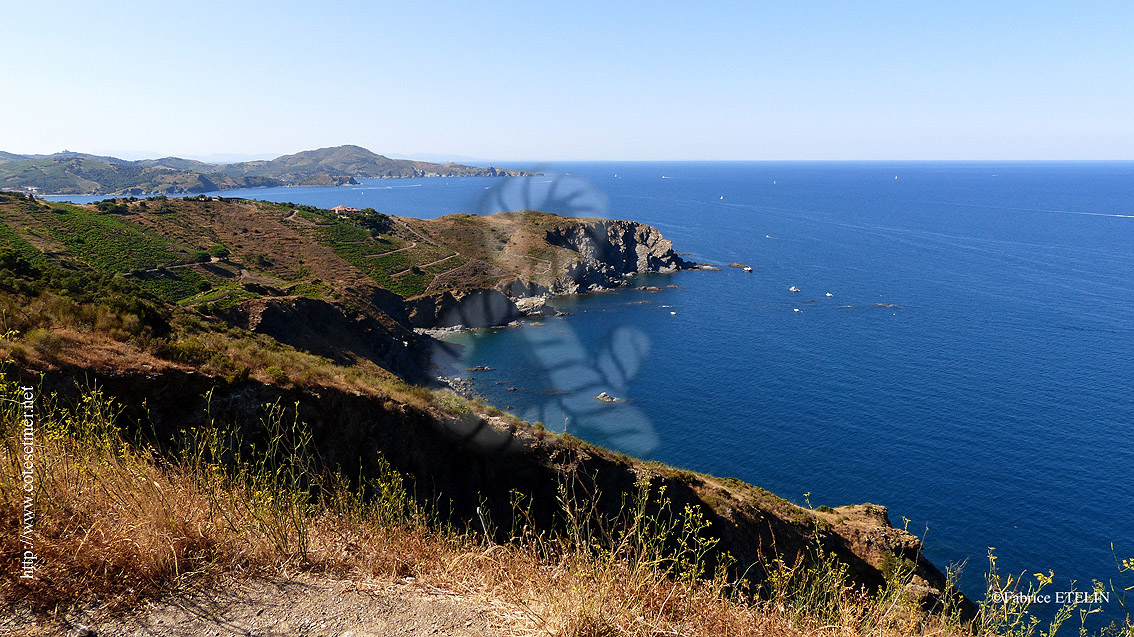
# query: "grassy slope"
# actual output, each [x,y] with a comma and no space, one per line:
[290,249]
[124,523]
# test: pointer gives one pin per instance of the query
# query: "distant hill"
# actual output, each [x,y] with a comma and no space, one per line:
[70,173]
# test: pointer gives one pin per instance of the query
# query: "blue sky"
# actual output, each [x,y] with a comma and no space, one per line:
[521,81]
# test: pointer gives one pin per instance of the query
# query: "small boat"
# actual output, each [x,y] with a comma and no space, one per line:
[747,268]
[829,294]
[722,197]
[796,309]
[793,289]
[673,313]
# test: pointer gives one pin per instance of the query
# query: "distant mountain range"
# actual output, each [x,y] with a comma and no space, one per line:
[69,173]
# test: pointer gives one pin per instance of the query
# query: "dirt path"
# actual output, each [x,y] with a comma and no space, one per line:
[411,246]
[306,605]
[426,265]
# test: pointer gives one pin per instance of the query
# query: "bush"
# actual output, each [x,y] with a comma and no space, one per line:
[190,350]
[44,341]
[448,400]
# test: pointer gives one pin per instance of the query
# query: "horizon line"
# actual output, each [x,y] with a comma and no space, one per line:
[459,158]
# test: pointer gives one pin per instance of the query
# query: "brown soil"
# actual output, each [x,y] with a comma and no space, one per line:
[300,605]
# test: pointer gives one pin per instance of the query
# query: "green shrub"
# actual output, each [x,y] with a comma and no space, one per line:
[276,374]
[448,400]
[190,350]
[44,341]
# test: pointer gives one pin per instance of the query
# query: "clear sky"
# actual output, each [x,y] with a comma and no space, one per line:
[560,81]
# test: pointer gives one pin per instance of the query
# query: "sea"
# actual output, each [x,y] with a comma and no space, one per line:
[960,348]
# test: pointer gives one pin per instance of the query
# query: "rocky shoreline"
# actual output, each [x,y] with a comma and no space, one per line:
[609,254]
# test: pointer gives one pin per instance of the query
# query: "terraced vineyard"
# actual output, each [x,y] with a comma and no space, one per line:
[109,243]
[398,260]
[210,253]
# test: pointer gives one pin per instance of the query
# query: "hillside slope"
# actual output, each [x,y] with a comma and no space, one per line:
[70,173]
[216,255]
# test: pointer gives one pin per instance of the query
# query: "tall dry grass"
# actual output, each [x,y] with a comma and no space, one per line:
[116,522]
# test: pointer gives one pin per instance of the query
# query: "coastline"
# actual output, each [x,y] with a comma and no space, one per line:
[352,183]
[532,306]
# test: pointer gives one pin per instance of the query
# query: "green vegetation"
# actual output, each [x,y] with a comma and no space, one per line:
[184,249]
[389,258]
[47,296]
[172,284]
[107,242]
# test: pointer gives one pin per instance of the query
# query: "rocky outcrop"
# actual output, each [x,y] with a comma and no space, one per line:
[866,531]
[470,308]
[609,250]
[593,255]
[326,329]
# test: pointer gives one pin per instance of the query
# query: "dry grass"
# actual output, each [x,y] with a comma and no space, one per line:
[230,354]
[115,522]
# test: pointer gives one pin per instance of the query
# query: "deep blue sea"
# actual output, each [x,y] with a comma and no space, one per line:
[961,348]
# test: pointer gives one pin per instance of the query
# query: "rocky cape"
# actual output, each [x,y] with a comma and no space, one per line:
[604,255]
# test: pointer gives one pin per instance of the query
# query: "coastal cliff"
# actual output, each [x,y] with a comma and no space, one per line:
[546,256]
[610,250]
[471,463]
